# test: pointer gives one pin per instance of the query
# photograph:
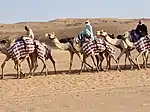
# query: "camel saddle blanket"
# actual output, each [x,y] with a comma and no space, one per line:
[93,47]
[110,49]
[21,49]
[41,49]
[142,44]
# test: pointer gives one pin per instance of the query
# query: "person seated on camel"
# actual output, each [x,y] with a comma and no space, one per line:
[29,34]
[141,29]
[87,33]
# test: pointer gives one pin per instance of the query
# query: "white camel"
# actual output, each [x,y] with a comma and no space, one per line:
[119,43]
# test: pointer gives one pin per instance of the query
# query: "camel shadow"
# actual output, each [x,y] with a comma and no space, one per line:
[73,72]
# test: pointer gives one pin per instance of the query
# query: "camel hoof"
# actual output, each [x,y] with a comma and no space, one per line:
[17,77]
[138,68]
[105,70]
[25,75]
[68,73]
[119,69]
[29,76]
[79,73]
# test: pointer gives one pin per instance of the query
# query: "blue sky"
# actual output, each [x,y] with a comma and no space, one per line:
[43,10]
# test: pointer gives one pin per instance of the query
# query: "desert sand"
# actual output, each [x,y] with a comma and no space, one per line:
[113,91]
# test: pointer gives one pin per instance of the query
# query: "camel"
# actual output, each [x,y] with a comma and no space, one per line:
[119,43]
[45,50]
[6,43]
[4,51]
[76,47]
[88,49]
[69,46]
[143,52]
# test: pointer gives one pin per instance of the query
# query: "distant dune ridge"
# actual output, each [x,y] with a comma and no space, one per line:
[69,27]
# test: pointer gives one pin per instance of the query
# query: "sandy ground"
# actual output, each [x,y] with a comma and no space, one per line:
[113,91]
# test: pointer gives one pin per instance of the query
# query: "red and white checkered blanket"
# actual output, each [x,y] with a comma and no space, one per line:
[40,49]
[142,44]
[94,47]
[18,50]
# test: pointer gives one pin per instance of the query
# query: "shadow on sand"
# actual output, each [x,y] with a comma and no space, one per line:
[73,72]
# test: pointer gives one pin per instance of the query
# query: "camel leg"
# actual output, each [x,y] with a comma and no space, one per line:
[144,61]
[118,67]
[35,66]
[29,64]
[101,58]
[17,68]
[45,66]
[122,52]
[128,55]
[125,60]
[97,60]
[147,58]
[83,63]
[71,60]
[53,62]
[137,59]
[21,66]
[145,55]
[108,61]
[3,65]
[95,63]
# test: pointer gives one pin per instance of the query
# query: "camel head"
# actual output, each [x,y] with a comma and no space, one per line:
[51,36]
[124,36]
[101,33]
[5,43]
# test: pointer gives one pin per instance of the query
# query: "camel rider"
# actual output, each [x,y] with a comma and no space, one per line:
[141,29]
[29,32]
[87,32]
[29,35]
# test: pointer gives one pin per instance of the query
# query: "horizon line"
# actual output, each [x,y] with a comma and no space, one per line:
[29,21]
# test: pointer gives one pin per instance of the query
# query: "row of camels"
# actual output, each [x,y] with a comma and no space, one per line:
[122,42]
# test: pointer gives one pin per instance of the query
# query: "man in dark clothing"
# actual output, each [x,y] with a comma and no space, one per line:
[141,29]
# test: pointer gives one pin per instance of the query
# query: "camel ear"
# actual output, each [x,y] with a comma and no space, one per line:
[46,34]
[54,33]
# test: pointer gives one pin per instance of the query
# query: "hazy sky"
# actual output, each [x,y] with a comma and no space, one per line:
[44,10]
